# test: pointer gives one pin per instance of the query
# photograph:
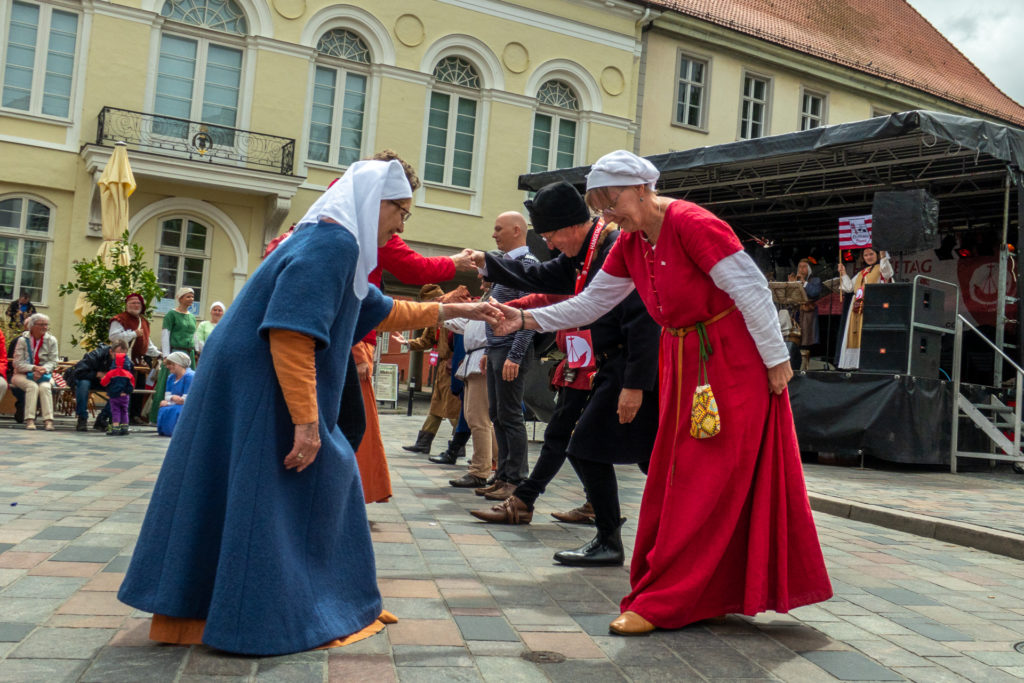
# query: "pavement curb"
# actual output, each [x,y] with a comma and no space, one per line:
[959,533]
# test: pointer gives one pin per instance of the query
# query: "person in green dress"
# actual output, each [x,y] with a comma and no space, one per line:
[179,331]
[206,327]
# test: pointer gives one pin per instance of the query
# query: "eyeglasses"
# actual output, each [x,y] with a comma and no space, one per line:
[611,207]
[406,213]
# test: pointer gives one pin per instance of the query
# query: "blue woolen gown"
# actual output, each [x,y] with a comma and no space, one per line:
[276,561]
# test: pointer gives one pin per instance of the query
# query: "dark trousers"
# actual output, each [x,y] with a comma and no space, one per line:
[571,403]
[602,490]
[82,389]
[506,409]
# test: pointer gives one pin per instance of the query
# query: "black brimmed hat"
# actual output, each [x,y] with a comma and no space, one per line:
[556,206]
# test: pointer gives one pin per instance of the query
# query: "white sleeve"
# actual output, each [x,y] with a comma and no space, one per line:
[785,322]
[456,325]
[118,332]
[153,351]
[738,276]
[197,343]
[165,341]
[885,267]
[602,294]
[845,283]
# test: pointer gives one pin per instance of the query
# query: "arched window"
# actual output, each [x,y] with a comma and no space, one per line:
[200,79]
[26,233]
[451,125]
[554,127]
[182,256]
[339,98]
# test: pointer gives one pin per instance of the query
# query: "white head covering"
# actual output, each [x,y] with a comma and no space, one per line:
[621,168]
[219,303]
[183,291]
[180,358]
[354,202]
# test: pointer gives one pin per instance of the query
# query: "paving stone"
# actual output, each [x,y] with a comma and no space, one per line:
[510,669]
[437,674]
[86,553]
[362,667]
[27,610]
[48,670]
[932,630]
[434,656]
[43,587]
[130,665]
[14,632]
[63,643]
[4,547]
[291,672]
[576,670]
[60,533]
[417,608]
[851,666]
[206,662]
[485,628]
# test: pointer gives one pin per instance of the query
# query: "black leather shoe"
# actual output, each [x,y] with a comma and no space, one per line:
[468,481]
[100,425]
[447,457]
[422,445]
[82,425]
[605,550]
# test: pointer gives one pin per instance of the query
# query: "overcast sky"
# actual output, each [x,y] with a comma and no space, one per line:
[988,32]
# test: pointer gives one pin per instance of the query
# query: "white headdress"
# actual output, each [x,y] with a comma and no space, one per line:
[621,168]
[354,202]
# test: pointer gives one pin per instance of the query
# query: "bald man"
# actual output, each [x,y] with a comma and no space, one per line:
[507,361]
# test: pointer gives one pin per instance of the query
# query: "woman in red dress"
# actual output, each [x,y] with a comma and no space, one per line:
[725,525]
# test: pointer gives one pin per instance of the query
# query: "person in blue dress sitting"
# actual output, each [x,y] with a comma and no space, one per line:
[178,383]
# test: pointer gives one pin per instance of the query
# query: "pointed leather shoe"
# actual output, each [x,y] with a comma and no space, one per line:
[597,553]
[501,493]
[490,487]
[511,511]
[467,481]
[584,514]
[630,624]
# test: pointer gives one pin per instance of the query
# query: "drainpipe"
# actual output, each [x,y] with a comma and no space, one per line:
[643,25]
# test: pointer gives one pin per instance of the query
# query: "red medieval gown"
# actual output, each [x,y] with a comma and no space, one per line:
[725,525]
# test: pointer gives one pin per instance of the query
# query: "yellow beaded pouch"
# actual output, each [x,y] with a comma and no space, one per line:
[704,419]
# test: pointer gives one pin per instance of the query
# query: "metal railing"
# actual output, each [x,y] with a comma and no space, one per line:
[196,140]
[1011,451]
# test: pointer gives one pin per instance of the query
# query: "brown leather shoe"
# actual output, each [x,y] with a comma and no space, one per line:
[490,487]
[584,514]
[630,624]
[511,511]
[501,493]
[467,481]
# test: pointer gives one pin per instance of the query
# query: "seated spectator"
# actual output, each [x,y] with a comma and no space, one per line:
[179,380]
[87,376]
[35,358]
[204,328]
[119,380]
[20,310]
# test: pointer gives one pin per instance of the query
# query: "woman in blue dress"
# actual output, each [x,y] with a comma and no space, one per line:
[179,380]
[256,539]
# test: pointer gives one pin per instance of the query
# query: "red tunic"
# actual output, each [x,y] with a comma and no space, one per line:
[730,529]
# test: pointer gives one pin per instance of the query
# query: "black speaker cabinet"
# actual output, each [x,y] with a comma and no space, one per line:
[906,220]
[884,349]
[891,305]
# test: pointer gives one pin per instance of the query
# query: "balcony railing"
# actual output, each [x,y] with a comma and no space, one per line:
[197,141]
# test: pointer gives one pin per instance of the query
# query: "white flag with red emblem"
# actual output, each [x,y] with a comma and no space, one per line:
[855,232]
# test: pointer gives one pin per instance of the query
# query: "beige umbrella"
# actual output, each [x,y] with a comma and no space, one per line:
[117,183]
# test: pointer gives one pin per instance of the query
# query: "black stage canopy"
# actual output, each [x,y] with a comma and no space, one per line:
[794,187]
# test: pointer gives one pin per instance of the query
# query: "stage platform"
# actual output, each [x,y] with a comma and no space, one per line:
[897,418]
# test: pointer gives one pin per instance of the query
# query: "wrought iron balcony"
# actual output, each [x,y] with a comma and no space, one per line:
[195,140]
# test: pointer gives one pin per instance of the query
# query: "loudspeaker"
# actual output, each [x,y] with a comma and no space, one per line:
[885,350]
[886,333]
[907,220]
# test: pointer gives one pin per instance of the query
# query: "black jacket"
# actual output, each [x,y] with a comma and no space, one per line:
[627,328]
[97,360]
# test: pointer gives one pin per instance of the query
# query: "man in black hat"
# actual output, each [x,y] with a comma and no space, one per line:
[607,409]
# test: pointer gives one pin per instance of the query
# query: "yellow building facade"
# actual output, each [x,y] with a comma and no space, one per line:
[239,113]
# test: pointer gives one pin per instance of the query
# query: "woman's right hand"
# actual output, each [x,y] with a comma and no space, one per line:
[305,448]
[164,404]
[779,376]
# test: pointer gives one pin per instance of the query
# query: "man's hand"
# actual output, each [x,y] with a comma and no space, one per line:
[457,296]
[482,310]
[306,447]
[513,321]
[99,375]
[399,338]
[629,404]
[779,376]
[479,259]
[363,370]
[509,371]
[464,260]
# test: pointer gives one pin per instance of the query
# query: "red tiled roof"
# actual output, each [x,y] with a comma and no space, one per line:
[887,38]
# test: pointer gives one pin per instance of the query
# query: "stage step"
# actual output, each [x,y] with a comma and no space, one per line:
[998,408]
[992,431]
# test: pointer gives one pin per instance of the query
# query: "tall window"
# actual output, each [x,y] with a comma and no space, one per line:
[26,231]
[554,127]
[339,100]
[39,61]
[183,251]
[754,115]
[198,79]
[690,89]
[451,123]
[812,110]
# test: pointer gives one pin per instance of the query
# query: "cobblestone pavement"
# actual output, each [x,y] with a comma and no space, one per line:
[481,602]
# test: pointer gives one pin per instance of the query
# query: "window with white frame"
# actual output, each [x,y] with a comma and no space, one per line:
[812,110]
[339,98]
[451,123]
[554,127]
[200,79]
[39,59]
[754,112]
[691,86]
[26,233]
[182,256]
